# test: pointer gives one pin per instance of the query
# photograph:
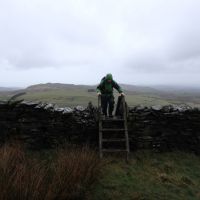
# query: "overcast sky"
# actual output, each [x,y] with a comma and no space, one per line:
[140,42]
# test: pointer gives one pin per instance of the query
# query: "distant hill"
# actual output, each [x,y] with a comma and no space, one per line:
[4,89]
[179,89]
[73,95]
[53,86]
[141,89]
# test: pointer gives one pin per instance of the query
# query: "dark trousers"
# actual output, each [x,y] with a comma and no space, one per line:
[107,102]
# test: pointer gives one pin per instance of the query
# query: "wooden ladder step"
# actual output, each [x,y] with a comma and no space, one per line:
[112,129]
[112,120]
[113,140]
[117,126]
[114,150]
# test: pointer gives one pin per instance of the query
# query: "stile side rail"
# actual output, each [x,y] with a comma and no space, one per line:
[126,127]
[100,126]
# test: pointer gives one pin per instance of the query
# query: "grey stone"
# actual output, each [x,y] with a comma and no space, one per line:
[79,108]
[42,125]
[156,107]
[67,110]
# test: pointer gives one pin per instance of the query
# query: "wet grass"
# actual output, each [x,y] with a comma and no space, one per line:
[66,174]
[150,176]
[73,172]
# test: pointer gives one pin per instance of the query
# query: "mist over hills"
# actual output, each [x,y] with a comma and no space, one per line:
[126,87]
[175,88]
[56,86]
[72,95]
[2,89]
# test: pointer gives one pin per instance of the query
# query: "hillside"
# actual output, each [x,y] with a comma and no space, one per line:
[57,86]
[73,95]
[4,89]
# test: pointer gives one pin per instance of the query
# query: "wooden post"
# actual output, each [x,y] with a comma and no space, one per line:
[100,126]
[126,128]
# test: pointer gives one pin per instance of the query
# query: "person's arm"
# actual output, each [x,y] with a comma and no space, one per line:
[117,87]
[99,88]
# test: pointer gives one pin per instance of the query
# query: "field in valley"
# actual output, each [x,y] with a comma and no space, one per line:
[73,95]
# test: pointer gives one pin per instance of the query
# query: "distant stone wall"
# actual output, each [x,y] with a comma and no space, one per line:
[45,126]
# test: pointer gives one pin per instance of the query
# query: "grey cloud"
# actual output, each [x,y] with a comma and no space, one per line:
[186,46]
[141,36]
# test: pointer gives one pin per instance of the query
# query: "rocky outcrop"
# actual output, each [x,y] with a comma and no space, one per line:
[41,125]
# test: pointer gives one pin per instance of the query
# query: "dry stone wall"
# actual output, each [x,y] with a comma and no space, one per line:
[40,125]
[165,128]
[44,125]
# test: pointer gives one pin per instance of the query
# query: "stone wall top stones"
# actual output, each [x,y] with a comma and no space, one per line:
[42,125]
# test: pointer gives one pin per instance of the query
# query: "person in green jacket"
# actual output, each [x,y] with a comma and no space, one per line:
[105,89]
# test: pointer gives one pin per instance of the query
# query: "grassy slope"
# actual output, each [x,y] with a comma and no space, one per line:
[73,95]
[62,97]
[81,97]
[150,176]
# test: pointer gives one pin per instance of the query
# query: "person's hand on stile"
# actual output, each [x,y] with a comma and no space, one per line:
[122,94]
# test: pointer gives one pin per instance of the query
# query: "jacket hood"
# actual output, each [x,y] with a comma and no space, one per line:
[109,77]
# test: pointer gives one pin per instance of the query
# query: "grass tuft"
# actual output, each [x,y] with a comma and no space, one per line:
[68,175]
